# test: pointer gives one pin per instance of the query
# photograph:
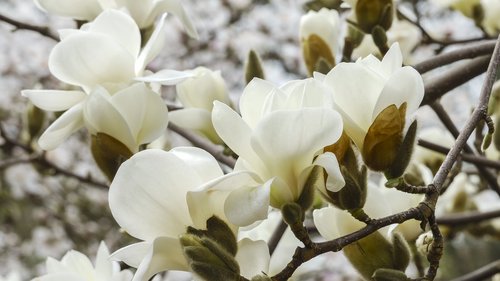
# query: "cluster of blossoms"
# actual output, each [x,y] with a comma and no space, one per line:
[292,142]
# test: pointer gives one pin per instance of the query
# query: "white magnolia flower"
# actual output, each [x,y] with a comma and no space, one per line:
[144,13]
[277,137]
[197,95]
[406,34]
[319,33]
[491,9]
[381,107]
[75,266]
[134,115]
[156,195]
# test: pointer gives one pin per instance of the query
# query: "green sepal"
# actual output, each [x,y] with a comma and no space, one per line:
[322,66]
[218,231]
[386,274]
[314,181]
[35,118]
[109,153]
[402,254]
[380,39]
[403,157]
[370,13]
[220,251]
[253,67]
[213,273]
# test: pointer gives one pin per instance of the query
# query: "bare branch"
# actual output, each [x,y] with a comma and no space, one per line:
[466,218]
[482,273]
[43,30]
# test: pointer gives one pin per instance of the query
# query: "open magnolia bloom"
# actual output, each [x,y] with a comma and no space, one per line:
[133,116]
[279,138]
[197,94]
[376,112]
[156,195]
[319,33]
[144,13]
[75,266]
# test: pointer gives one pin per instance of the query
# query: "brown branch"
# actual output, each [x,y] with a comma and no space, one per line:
[43,30]
[276,237]
[466,218]
[482,273]
[197,141]
[467,52]
[467,157]
[452,78]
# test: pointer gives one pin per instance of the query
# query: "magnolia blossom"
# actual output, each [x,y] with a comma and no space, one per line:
[75,266]
[105,56]
[279,138]
[319,33]
[406,34]
[156,195]
[379,108]
[197,95]
[144,13]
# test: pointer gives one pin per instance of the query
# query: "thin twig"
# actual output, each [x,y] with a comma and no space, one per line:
[276,237]
[467,157]
[197,141]
[43,30]
[482,273]
[466,218]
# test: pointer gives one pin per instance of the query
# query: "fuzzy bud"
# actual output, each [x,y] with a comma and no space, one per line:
[108,153]
[371,13]
[253,67]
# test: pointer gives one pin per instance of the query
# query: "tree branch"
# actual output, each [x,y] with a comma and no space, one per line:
[482,273]
[43,30]
[466,218]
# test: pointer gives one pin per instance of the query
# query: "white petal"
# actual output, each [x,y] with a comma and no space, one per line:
[152,48]
[335,180]
[164,254]
[120,27]
[148,194]
[60,277]
[392,60]
[405,85]
[202,162]
[195,119]
[248,204]
[132,254]
[253,257]
[166,77]
[235,133]
[143,110]
[175,7]
[77,9]
[102,116]
[90,59]
[54,100]
[325,221]
[287,141]
[253,99]
[209,199]
[69,122]
[103,264]
[77,262]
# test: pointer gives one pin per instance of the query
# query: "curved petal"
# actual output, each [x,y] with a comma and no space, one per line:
[143,110]
[405,85]
[69,122]
[77,263]
[120,27]
[392,60]
[248,204]
[103,264]
[356,99]
[148,194]
[132,254]
[253,99]
[63,276]
[209,199]
[152,47]
[235,133]
[200,161]
[287,141]
[165,253]
[324,220]
[90,59]
[307,93]
[166,77]
[175,7]
[77,9]
[102,116]
[195,119]
[253,257]
[328,161]
[54,100]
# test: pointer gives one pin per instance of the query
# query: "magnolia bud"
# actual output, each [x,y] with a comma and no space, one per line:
[380,39]
[108,153]
[35,118]
[292,213]
[371,13]
[253,67]
[318,36]
[402,254]
[220,232]
[385,274]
